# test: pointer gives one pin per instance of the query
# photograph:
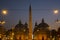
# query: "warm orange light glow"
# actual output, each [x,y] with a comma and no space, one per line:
[37,30]
[0,35]
[56,11]
[26,37]
[58,22]
[4,12]
[32,36]
[0,22]
[18,36]
[12,33]
[11,38]
[53,39]
[3,22]
[24,30]
[49,27]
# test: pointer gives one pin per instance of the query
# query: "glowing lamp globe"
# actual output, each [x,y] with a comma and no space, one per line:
[56,11]
[4,11]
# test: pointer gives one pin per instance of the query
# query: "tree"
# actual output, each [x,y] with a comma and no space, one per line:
[53,33]
[59,30]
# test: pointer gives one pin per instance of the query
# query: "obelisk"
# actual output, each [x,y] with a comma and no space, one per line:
[30,23]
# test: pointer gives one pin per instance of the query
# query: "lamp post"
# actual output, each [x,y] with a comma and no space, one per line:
[57,21]
[56,12]
[3,12]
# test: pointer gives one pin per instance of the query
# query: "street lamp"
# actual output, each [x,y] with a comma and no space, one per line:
[56,11]
[4,11]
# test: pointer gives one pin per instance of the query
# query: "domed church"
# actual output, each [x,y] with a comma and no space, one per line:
[21,31]
[41,31]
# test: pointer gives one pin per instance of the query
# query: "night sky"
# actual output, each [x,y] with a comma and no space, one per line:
[19,10]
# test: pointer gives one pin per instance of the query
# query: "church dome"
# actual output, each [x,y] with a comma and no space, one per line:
[43,24]
[42,28]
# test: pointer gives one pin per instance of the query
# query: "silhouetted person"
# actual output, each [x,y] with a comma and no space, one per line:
[42,38]
[0,38]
